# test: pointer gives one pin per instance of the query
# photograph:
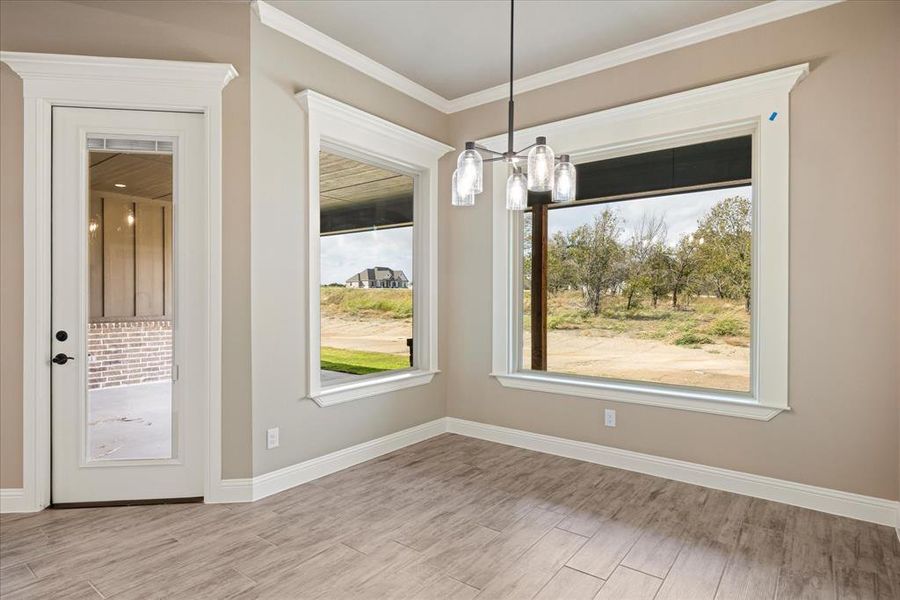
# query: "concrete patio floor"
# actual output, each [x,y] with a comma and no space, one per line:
[131,422]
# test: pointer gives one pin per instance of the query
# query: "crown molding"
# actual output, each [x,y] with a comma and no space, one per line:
[314,102]
[746,19]
[294,28]
[32,66]
[781,80]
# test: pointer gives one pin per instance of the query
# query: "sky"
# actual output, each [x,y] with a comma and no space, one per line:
[680,211]
[347,254]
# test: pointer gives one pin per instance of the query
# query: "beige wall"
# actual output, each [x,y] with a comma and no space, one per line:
[845,219]
[164,30]
[843,430]
[281,68]
[10,278]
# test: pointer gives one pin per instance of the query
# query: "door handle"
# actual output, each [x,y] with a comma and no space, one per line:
[61,359]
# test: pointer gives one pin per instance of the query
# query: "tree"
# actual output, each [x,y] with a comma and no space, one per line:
[726,252]
[596,258]
[646,240]
[683,265]
[658,272]
[560,271]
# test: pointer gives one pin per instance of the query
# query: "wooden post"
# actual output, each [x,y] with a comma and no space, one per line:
[539,286]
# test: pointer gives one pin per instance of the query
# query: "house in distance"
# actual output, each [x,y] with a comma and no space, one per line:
[378,277]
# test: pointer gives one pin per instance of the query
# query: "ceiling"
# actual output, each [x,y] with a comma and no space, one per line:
[355,196]
[144,175]
[344,181]
[457,47]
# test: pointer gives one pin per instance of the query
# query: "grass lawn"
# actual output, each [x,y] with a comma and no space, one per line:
[359,362]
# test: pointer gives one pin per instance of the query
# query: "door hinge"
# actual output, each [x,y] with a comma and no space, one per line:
[175,372]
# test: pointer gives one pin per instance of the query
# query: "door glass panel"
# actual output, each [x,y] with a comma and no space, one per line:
[130,343]
[366,247]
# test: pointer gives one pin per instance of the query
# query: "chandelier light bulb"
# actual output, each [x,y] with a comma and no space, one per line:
[540,167]
[457,199]
[470,167]
[564,180]
[517,191]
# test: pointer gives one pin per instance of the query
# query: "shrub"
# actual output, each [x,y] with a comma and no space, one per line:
[692,339]
[567,320]
[727,327]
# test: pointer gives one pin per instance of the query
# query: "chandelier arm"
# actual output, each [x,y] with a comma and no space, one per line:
[526,149]
[483,149]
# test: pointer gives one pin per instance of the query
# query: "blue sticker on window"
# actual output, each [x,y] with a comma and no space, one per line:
[772,116]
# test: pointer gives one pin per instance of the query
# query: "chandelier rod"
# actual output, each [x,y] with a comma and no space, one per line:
[512,28]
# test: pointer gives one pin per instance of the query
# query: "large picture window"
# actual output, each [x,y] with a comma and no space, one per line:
[665,282]
[652,284]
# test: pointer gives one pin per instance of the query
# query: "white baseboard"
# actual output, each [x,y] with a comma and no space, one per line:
[13,500]
[247,490]
[846,504]
[231,490]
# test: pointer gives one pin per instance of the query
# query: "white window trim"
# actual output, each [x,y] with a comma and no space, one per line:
[49,80]
[357,134]
[728,109]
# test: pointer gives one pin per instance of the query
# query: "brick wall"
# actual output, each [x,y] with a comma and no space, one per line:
[129,352]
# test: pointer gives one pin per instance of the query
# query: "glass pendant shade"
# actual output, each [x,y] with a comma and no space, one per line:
[564,180]
[517,191]
[470,167]
[540,167]
[457,199]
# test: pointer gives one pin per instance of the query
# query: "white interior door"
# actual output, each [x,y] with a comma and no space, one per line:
[129,305]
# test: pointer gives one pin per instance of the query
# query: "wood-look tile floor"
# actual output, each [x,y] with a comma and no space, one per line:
[455,517]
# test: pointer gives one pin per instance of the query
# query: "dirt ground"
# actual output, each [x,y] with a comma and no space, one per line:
[372,335]
[717,366]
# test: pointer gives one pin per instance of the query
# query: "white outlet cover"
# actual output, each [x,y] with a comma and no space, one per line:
[272,438]
[610,417]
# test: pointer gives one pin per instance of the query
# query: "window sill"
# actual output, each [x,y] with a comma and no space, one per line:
[354,390]
[687,399]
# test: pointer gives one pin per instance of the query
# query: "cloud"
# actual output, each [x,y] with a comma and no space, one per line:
[680,211]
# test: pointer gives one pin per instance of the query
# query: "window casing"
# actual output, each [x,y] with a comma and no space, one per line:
[757,106]
[352,133]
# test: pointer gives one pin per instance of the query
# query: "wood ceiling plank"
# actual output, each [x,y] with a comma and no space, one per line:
[144,175]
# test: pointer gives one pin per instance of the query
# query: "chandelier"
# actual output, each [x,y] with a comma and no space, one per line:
[544,172]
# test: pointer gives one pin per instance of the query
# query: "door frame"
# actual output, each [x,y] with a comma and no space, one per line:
[50,80]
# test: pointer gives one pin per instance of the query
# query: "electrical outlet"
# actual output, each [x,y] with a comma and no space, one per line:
[610,417]
[272,438]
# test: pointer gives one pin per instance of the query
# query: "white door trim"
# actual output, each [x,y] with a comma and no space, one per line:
[100,82]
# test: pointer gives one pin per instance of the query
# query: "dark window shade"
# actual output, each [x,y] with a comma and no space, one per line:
[706,164]
[365,216]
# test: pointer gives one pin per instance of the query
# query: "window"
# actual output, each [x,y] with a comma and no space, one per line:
[366,247]
[372,253]
[666,281]
[647,276]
